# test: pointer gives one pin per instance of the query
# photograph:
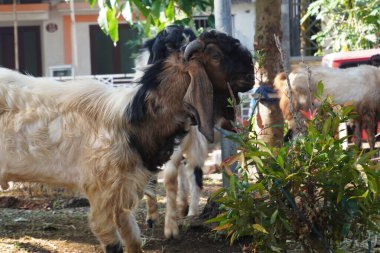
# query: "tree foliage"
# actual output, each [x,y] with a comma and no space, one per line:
[147,13]
[346,24]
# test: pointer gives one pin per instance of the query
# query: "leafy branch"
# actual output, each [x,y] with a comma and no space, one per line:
[145,14]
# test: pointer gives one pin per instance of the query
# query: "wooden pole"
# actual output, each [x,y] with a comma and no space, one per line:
[74,52]
[15,32]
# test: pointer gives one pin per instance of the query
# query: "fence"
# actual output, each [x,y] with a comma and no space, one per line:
[115,80]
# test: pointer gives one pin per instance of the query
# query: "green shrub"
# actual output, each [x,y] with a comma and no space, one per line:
[311,191]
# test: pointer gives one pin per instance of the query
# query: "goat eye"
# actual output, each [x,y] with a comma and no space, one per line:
[216,56]
[169,46]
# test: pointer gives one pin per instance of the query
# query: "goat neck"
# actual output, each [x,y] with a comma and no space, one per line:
[171,95]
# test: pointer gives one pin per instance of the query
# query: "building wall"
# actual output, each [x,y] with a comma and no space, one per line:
[52,43]
[84,55]
[244,23]
[56,48]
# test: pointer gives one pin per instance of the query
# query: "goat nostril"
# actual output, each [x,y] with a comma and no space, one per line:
[251,76]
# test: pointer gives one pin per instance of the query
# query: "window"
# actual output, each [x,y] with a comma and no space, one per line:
[29,48]
[300,35]
[108,59]
[200,22]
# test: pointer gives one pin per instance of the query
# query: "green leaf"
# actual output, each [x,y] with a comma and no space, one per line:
[257,160]
[366,156]
[326,127]
[280,161]
[126,12]
[102,20]
[113,3]
[217,192]
[273,217]
[91,2]
[169,12]
[218,218]
[340,196]
[309,148]
[319,89]
[232,185]
[156,8]
[113,25]
[256,186]
[291,175]
[364,195]
[259,228]
[145,12]
[372,184]
[186,6]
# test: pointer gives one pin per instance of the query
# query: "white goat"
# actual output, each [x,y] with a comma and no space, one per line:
[106,141]
[359,86]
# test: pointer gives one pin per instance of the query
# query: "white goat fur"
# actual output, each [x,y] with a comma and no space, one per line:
[49,135]
[195,149]
[358,86]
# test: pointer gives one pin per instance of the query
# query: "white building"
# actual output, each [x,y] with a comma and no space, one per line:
[48,38]
[244,21]
[45,39]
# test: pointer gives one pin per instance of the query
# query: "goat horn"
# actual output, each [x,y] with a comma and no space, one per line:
[191,47]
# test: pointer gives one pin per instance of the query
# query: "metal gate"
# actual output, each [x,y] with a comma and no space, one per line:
[300,35]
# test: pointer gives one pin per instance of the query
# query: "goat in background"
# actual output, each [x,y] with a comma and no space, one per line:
[359,86]
[107,142]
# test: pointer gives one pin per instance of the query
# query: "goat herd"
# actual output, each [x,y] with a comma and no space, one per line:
[109,142]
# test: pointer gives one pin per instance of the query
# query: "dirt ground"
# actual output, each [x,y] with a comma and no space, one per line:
[34,223]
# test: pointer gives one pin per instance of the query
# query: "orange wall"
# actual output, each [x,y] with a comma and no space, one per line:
[67,33]
[25,7]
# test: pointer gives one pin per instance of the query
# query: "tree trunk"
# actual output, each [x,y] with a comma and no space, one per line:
[268,17]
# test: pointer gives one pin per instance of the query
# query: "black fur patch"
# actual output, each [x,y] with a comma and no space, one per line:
[115,248]
[149,81]
[150,223]
[198,173]
[288,136]
[169,40]
[154,159]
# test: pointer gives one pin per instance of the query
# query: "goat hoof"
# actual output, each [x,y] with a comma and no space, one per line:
[114,248]
[150,223]
[172,233]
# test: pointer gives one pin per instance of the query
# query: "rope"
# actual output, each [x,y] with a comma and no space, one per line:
[265,94]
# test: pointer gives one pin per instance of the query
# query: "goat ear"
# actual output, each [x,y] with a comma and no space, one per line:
[200,96]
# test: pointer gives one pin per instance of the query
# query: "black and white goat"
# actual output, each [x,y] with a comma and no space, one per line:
[106,142]
[183,196]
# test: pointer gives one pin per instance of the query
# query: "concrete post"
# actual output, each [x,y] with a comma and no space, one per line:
[222,9]
[285,28]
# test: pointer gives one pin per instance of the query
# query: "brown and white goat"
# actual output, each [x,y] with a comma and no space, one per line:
[194,147]
[358,86]
[106,142]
